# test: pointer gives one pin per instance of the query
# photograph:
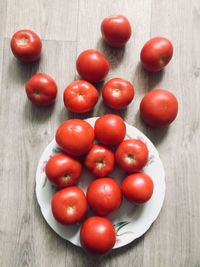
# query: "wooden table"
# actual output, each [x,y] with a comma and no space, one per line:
[67,27]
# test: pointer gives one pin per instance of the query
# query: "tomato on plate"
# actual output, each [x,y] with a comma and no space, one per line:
[80,96]
[156,54]
[69,205]
[116,30]
[75,137]
[41,89]
[138,187]
[100,161]
[63,170]
[97,235]
[26,45]
[92,65]
[104,196]
[118,93]
[110,129]
[132,155]
[158,108]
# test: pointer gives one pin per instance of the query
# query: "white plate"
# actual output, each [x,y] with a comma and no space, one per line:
[131,221]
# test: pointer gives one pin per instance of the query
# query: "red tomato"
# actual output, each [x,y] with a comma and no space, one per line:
[156,54]
[63,170]
[26,45]
[92,65]
[110,129]
[75,137]
[132,155]
[137,187]
[80,96]
[118,93]
[100,161]
[69,205]
[116,30]
[104,196]
[97,235]
[159,108]
[41,89]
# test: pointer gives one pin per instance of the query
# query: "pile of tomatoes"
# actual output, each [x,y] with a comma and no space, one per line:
[105,145]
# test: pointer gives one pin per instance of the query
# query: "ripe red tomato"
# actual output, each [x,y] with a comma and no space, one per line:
[104,196]
[132,155]
[118,93]
[75,137]
[63,170]
[41,89]
[110,129]
[92,65]
[69,205]
[159,108]
[26,45]
[100,161]
[137,187]
[116,30]
[80,96]
[156,54]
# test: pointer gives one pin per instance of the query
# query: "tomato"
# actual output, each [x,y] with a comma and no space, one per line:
[97,235]
[100,161]
[159,108]
[92,65]
[110,129]
[118,93]
[137,187]
[63,170]
[41,89]
[69,205]
[156,54]
[80,96]
[104,196]
[26,45]
[132,155]
[75,137]
[116,30]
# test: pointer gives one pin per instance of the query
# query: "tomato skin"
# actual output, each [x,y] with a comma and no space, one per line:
[118,93]
[69,205]
[26,45]
[41,89]
[97,235]
[100,161]
[138,187]
[132,155]
[156,54]
[80,96]
[75,137]
[92,65]
[104,196]
[110,129]
[116,30]
[63,170]
[159,108]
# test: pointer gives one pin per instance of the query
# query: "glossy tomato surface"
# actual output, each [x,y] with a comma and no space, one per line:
[26,45]
[80,96]
[138,187]
[116,30]
[75,137]
[156,54]
[118,93]
[69,205]
[159,108]
[41,89]
[92,65]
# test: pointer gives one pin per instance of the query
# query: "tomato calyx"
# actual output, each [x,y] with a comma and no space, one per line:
[66,177]
[22,41]
[100,164]
[116,92]
[130,159]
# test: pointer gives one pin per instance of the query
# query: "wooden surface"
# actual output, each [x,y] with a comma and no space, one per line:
[67,27]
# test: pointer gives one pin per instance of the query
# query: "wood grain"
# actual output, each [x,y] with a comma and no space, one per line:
[67,28]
